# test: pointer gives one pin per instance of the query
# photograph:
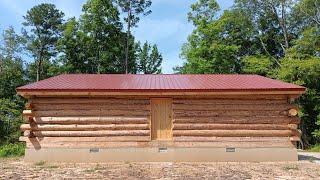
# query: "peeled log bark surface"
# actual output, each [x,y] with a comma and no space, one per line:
[199,126]
[261,144]
[113,106]
[91,120]
[91,127]
[234,107]
[226,113]
[87,139]
[27,113]
[91,133]
[239,120]
[231,139]
[292,112]
[98,112]
[98,100]
[235,133]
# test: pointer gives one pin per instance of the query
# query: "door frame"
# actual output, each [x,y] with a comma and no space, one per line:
[171,117]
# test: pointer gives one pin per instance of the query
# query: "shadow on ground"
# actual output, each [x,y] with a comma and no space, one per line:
[307,158]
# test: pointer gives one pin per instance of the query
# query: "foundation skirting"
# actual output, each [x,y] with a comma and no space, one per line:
[96,155]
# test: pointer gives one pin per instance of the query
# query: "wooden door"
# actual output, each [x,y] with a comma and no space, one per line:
[161,119]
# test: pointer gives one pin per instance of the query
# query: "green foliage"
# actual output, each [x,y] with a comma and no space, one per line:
[136,7]
[279,39]
[217,46]
[308,45]
[10,120]
[203,11]
[96,43]
[305,72]
[133,9]
[12,150]
[257,65]
[315,148]
[44,22]
[93,43]
[11,76]
[11,65]
[149,62]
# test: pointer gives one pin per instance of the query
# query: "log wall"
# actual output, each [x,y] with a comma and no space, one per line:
[80,122]
[244,120]
[230,121]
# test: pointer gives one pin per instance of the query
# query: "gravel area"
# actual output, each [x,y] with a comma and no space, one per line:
[306,168]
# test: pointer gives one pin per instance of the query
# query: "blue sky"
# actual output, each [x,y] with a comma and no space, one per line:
[167,26]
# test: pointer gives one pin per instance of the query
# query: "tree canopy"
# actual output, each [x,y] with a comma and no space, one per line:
[49,44]
[278,39]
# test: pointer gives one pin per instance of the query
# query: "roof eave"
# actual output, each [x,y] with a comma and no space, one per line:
[28,93]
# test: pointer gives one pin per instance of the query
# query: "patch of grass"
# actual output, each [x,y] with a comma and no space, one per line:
[315,148]
[40,163]
[290,167]
[12,150]
[91,170]
[52,166]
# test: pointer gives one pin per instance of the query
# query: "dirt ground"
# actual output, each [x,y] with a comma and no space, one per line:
[306,168]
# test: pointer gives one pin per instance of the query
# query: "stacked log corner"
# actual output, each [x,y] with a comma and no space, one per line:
[231,121]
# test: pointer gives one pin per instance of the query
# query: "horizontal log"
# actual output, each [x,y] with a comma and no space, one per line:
[231,139]
[254,97]
[215,102]
[28,133]
[92,113]
[91,120]
[204,126]
[234,107]
[262,144]
[114,106]
[235,133]
[100,100]
[293,126]
[27,113]
[28,119]
[88,139]
[218,113]
[295,138]
[239,120]
[77,127]
[91,133]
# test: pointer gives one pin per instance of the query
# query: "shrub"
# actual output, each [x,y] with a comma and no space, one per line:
[12,150]
[315,148]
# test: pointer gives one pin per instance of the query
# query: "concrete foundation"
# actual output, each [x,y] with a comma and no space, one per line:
[161,155]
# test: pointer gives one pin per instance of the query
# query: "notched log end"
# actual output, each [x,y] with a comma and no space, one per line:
[292,112]
[28,134]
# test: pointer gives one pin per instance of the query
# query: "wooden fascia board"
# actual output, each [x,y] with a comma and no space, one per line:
[94,93]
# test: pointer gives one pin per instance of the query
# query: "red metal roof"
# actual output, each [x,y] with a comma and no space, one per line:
[170,82]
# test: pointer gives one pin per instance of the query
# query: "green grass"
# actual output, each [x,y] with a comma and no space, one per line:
[12,150]
[290,167]
[40,163]
[315,148]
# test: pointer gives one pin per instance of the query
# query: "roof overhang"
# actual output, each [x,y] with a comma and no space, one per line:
[29,93]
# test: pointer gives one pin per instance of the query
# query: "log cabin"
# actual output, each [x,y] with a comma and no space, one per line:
[152,118]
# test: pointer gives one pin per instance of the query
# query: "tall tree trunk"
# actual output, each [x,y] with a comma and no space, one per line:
[283,24]
[39,64]
[128,36]
[281,21]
